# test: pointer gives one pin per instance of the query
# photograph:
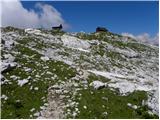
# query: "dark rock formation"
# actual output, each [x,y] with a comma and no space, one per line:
[101,29]
[58,27]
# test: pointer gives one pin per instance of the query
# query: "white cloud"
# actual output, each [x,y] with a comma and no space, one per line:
[14,14]
[145,37]
[129,35]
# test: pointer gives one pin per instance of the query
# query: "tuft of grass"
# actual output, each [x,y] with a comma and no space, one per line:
[92,77]
[137,46]
[11,29]
[57,32]
[84,36]
[26,51]
[39,44]
[96,35]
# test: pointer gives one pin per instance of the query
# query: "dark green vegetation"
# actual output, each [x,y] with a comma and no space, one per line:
[102,36]
[57,32]
[94,104]
[94,36]
[98,102]
[114,104]
[12,29]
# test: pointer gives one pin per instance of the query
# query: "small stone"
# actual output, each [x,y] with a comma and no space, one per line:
[36,114]
[85,107]
[105,98]
[46,104]
[4,97]
[76,109]
[33,109]
[97,84]
[22,82]
[103,106]
[36,88]
[28,70]
[129,104]
[45,58]
[134,107]
[37,76]
[74,114]
[105,113]
[49,73]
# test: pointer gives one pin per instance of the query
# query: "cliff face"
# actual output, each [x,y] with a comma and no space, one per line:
[77,75]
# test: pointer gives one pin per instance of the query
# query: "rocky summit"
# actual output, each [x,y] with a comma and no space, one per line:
[55,74]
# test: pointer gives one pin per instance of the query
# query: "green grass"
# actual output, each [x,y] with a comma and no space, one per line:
[30,98]
[86,36]
[11,29]
[137,46]
[26,40]
[92,36]
[115,56]
[92,77]
[26,51]
[101,36]
[57,32]
[99,49]
[39,44]
[118,44]
[115,106]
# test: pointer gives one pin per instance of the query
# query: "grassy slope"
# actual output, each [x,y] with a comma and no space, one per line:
[115,106]
[31,98]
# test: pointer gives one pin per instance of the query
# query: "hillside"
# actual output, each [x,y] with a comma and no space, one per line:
[48,74]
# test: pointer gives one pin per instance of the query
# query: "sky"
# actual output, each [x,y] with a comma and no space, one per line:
[132,18]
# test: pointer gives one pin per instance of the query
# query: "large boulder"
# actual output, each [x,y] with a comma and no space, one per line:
[97,84]
[6,67]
